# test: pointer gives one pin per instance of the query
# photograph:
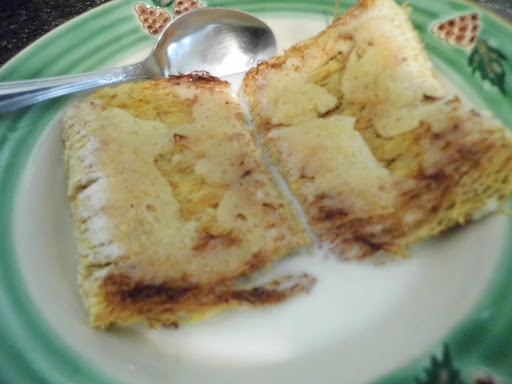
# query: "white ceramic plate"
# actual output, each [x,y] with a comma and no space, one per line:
[444,309]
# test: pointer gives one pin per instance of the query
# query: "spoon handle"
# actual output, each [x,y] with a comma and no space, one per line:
[18,94]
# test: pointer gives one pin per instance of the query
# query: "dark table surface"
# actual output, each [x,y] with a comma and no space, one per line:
[24,21]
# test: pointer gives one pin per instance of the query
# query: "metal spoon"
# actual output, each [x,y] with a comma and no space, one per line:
[217,40]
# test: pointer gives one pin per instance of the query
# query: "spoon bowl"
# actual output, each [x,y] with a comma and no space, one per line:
[220,41]
[216,40]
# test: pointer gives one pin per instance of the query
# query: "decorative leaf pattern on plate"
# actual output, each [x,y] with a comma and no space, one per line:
[463,31]
[444,371]
[441,371]
[488,61]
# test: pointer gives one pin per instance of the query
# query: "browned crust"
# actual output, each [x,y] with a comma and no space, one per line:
[198,77]
[475,169]
[169,303]
[252,78]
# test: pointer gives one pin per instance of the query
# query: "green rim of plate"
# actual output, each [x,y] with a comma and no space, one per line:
[32,352]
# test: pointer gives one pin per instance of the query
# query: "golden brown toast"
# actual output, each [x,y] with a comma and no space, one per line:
[173,203]
[379,153]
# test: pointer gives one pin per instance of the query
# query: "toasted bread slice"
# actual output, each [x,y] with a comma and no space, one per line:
[172,203]
[380,154]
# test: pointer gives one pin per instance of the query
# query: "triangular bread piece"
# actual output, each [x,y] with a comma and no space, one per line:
[371,143]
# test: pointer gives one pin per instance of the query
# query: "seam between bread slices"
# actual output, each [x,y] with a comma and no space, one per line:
[276,173]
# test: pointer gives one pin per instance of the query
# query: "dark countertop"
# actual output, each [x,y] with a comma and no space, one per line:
[24,21]
[501,7]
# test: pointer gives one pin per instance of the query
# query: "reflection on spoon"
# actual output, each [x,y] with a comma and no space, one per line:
[220,41]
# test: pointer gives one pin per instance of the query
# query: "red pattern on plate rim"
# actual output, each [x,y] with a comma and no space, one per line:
[463,31]
[155,18]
